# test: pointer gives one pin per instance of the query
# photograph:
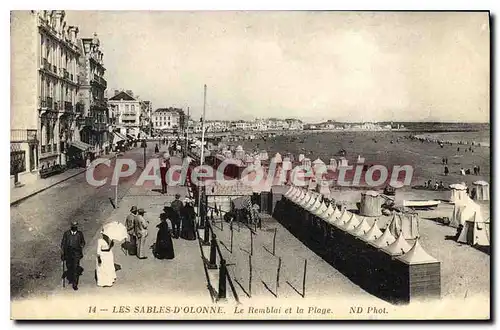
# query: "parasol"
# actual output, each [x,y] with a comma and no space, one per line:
[115,231]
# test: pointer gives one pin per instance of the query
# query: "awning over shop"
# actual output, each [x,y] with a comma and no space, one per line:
[80,145]
[118,138]
[120,135]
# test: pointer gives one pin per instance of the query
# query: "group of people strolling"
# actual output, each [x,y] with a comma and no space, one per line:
[181,216]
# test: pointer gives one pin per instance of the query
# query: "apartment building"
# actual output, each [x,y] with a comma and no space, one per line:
[44,88]
[128,110]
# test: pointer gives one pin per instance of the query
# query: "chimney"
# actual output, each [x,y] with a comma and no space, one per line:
[116,92]
[58,16]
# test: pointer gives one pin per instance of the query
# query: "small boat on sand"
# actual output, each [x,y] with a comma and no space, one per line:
[421,204]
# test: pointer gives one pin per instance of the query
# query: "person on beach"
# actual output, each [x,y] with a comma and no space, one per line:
[446,170]
[164,247]
[176,206]
[188,216]
[105,263]
[130,225]
[163,172]
[157,149]
[478,170]
[72,245]
[141,232]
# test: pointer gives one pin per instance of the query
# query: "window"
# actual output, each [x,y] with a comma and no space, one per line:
[127,107]
[133,107]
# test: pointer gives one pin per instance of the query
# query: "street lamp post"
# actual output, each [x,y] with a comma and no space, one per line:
[202,153]
[144,146]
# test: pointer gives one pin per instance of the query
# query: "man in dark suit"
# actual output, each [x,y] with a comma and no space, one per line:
[72,245]
[176,206]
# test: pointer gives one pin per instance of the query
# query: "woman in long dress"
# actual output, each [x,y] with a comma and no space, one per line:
[105,263]
[164,247]
[188,216]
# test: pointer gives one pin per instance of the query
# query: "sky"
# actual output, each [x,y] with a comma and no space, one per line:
[344,66]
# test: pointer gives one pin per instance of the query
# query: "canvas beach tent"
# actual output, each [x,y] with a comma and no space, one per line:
[385,240]
[323,188]
[417,255]
[464,211]
[458,192]
[371,204]
[482,190]
[329,211]
[361,229]
[475,231]
[340,221]
[315,205]
[333,164]
[405,223]
[321,209]
[373,233]
[398,247]
[351,224]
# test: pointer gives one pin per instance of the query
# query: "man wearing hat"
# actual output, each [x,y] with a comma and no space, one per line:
[130,224]
[72,245]
[141,232]
[176,205]
[164,164]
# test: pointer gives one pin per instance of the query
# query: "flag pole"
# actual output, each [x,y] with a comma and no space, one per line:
[202,153]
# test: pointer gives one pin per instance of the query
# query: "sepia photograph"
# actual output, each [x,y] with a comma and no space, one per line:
[250,165]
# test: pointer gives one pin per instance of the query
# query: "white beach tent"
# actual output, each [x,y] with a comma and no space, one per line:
[417,255]
[287,164]
[385,240]
[475,231]
[323,188]
[333,164]
[343,162]
[406,224]
[301,157]
[372,234]
[398,247]
[313,203]
[329,211]
[465,211]
[317,202]
[482,190]
[263,156]
[362,228]
[321,209]
[277,158]
[351,224]
[458,192]
[343,219]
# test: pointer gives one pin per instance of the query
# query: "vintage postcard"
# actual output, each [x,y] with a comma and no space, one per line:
[243,165]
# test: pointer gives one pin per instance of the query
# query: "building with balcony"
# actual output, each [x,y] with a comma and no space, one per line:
[93,118]
[146,114]
[44,89]
[168,119]
[127,112]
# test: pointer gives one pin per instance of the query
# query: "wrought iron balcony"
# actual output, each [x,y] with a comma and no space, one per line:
[54,69]
[23,135]
[86,121]
[100,80]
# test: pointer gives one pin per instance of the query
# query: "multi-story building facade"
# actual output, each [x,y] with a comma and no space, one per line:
[93,115]
[146,113]
[128,112]
[44,90]
[170,119]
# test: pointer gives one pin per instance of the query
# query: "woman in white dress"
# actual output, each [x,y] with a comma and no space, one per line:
[105,263]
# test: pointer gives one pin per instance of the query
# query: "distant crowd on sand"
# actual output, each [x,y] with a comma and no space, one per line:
[176,221]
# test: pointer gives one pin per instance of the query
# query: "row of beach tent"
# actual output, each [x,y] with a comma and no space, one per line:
[467,213]
[393,240]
